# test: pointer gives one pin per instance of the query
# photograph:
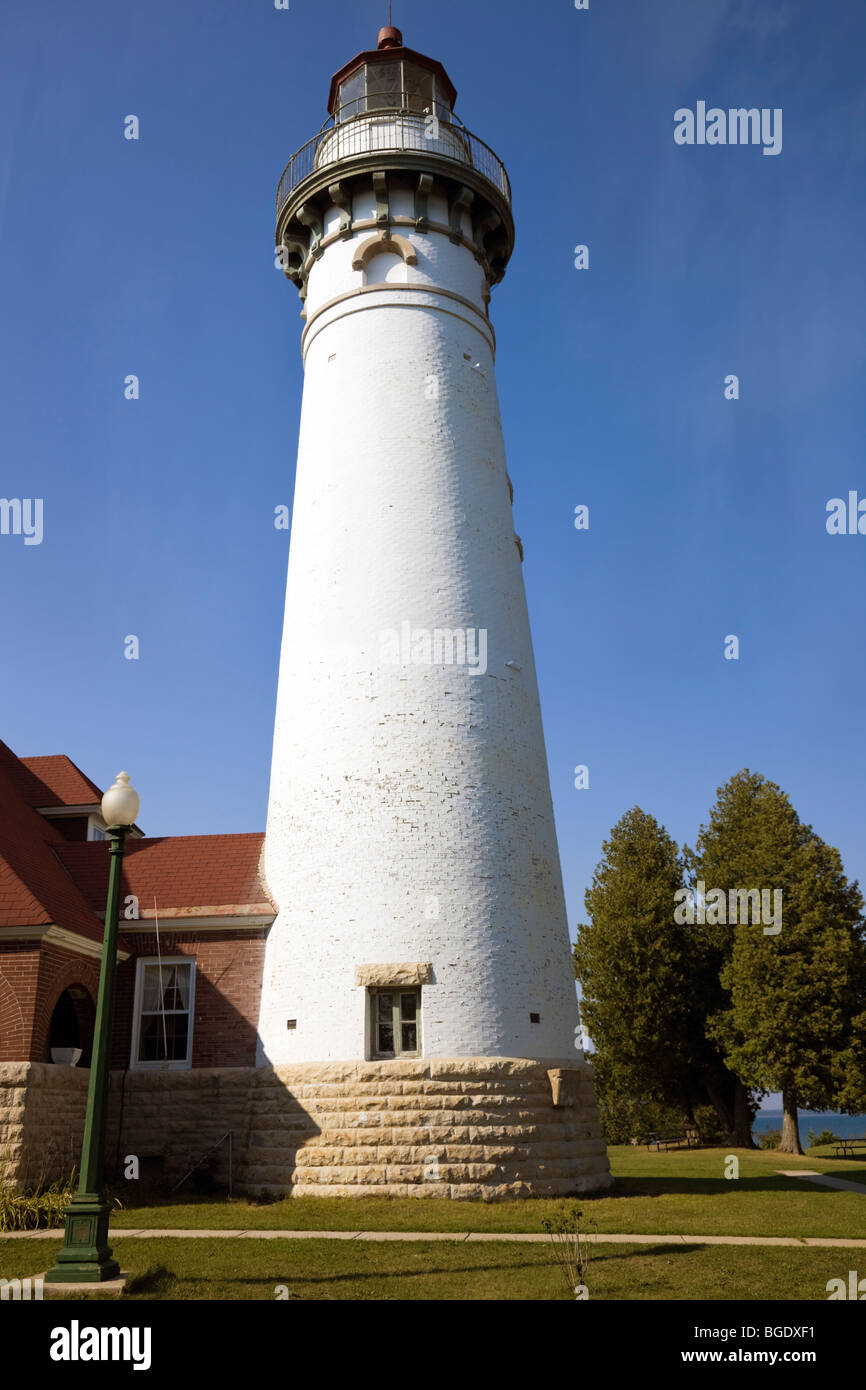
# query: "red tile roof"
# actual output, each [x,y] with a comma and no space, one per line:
[190,875]
[45,879]
[35,888]
[56,781]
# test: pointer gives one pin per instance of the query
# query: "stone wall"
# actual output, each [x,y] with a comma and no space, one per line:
[41,1121]
[482,1128]
[169,1119]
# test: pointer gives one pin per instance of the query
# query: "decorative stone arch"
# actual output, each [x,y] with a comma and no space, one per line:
[12,1043]
[384,242]
[72,981]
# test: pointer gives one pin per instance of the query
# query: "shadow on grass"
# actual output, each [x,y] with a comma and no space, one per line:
[692,1187]
[628,1254]
[152,1282]
[161,1283]
[850,1174]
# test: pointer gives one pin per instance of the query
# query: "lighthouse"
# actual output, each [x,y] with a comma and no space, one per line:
[418,983]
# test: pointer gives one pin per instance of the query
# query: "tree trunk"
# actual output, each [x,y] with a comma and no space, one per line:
[721,1108]
[742,1135]
[687,1112]
[790,1130]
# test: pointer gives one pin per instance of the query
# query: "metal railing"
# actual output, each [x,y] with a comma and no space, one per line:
[201,1163]
[390,128]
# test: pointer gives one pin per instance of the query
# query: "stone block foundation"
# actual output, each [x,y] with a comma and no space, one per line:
[475,1128]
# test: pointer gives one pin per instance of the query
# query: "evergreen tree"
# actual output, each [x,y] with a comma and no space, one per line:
[643,980]
[790,1015]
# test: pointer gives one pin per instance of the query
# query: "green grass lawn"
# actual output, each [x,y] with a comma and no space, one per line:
[318,1269]
[682,1192]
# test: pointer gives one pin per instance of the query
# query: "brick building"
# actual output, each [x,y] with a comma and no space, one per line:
[197,905]
[195,913]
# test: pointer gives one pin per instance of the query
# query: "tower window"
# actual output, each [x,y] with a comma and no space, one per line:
[535,1018]
[395,1019]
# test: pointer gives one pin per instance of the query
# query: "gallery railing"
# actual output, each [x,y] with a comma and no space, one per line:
[391,128]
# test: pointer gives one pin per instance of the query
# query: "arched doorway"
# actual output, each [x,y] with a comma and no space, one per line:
[72,1023]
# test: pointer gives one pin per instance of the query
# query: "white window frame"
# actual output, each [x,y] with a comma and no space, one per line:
[181,1064]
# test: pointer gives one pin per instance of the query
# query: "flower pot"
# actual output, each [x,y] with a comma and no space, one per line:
[65,1056]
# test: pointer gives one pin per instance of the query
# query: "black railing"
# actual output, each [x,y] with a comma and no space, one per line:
[392,128]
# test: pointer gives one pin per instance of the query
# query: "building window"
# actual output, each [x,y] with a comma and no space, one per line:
[162,1022]
[94,832]
[395,1018]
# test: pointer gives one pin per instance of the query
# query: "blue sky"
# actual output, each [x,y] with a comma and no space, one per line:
[155,257]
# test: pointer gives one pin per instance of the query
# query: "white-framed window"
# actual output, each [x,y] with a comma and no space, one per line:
[95,829]
[163,1016]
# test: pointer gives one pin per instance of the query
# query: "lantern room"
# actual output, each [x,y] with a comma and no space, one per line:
[391,78]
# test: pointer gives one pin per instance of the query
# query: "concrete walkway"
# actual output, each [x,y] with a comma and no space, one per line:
[118,1233]
[841,1184]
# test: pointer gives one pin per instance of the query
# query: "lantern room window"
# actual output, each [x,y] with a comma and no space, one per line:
[419,86]
[353,95]
[384,86]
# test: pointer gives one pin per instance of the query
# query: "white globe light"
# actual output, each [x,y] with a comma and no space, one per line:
[121,803]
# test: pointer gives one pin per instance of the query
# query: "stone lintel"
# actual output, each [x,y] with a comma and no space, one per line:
[397,975]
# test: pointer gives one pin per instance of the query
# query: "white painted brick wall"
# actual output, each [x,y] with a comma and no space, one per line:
[394,784]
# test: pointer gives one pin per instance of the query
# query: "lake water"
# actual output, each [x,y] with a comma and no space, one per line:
[846,1126]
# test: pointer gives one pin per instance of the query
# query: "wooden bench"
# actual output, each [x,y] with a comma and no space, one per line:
[688,1139]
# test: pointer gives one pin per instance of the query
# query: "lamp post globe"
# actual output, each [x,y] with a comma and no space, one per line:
[121,803]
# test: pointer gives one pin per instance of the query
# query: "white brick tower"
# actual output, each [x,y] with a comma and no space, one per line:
[410,846]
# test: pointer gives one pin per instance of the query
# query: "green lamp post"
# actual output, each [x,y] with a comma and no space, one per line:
[86,1255]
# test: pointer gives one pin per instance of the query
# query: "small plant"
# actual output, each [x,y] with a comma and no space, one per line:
[571,1247]
[826,1136]
[771,1139]
[43,1206]
[34,1204]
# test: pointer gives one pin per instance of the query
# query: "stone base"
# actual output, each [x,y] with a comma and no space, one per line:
[109,1288]
[480,1128]
[467,1128]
